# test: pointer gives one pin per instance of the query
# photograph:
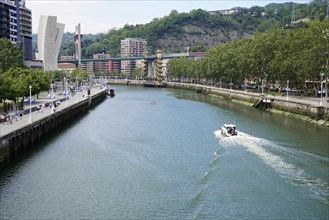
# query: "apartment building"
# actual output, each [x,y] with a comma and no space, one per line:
[114,67]
[131,47]
[89,67]
[26,30]
[9,21]
[16,25]
[101,66]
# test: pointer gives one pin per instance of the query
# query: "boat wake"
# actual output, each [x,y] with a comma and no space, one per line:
[269,153]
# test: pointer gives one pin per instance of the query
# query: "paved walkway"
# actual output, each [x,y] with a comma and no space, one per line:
[7,127]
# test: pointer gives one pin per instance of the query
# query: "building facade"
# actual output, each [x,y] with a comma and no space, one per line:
[50,34]
[131,47]
[26,31]
[68,67]
[102,67]
[16,25]
[9,21]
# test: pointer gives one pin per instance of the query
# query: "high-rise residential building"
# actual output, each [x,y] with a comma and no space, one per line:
[16,25]
[26,31]
[131,47]
[89,67]
[50,34]
[115,67]
[9,21]
[102,66]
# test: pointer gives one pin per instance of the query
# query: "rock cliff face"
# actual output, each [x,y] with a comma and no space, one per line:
[196,35]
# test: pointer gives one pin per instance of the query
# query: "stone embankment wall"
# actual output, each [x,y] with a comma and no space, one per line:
[291,107]
[19,141]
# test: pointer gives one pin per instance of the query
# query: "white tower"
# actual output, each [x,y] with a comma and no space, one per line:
[50,34]
[78,44]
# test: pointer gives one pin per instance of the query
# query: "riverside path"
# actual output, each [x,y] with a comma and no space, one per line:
[7,127]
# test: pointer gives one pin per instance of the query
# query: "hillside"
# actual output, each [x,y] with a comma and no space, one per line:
[198,30]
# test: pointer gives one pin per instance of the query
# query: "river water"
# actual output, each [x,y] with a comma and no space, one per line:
[157,154]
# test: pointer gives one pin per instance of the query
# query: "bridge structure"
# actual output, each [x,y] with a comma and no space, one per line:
[148,58]
[148,61]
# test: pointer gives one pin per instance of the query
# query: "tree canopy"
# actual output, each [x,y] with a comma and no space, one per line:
[277,55]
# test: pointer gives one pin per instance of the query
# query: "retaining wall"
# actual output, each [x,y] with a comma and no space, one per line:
[19,141]
[306,111]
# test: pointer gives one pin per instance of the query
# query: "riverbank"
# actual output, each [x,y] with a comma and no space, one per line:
[20,135]
[310,110]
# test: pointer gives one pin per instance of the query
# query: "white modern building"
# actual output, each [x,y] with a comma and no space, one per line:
[50,34]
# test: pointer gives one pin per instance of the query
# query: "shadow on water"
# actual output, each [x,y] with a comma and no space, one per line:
[21,159]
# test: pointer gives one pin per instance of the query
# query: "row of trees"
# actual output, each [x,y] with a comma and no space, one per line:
[277,55]
[15,78]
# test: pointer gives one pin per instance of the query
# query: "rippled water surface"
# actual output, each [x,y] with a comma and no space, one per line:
[158,154]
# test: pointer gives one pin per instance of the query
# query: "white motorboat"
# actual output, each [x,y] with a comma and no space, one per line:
[228,130]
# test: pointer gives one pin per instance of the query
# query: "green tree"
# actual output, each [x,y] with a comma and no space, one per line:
[78,74]
[10,55]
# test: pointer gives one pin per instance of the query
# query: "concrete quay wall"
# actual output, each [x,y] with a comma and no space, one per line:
[303,109]
[21,140]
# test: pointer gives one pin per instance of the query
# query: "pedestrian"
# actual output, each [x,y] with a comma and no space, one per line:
[3,117]
[16,115]
[8,118]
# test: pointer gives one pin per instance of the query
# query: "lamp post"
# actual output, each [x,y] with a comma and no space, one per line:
[66,93]
[76,91]
[30,118]
[262,86]
[321,74]
[52,98]
[326,37]
[287,89]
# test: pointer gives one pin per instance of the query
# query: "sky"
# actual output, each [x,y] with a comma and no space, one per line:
[100,16]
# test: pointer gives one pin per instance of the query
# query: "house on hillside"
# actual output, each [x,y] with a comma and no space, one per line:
[234,10]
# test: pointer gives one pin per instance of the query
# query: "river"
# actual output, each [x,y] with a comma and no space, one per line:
[151,153]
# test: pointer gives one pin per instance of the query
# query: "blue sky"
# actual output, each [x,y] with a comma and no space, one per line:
[99,16]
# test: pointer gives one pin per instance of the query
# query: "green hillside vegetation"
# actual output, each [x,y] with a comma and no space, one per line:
[199,30]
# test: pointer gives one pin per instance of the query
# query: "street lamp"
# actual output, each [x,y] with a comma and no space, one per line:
[321,74]
[52,98]
[30,118]
[66,93]
[326,37]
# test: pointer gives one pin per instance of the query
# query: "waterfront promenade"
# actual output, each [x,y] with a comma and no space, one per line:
[7,127]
